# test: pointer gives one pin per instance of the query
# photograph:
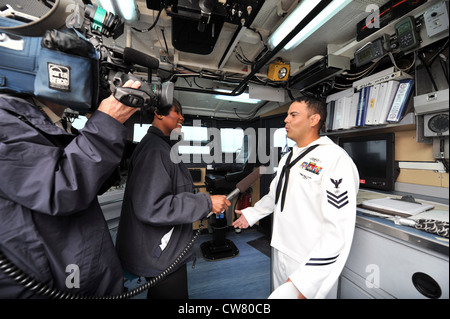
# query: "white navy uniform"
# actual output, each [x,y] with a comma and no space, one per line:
[312,235]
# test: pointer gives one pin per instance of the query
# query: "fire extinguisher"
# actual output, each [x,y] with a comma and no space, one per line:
[244,201]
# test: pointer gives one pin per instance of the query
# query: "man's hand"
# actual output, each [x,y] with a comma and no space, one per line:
[241,222]
[300,295]
[117,110]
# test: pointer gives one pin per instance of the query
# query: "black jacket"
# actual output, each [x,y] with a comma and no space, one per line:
[158,202]
[50,217]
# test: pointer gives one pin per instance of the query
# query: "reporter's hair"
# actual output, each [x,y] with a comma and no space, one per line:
[165,110]
[315,105]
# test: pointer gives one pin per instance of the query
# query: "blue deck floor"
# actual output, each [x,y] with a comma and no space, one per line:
[246,276]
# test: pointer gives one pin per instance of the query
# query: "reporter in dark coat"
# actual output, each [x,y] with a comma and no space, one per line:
[159,208]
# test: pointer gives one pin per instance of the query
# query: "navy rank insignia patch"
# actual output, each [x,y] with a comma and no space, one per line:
[336,198]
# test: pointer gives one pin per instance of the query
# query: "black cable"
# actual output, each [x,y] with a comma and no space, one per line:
[442,153]
[165,41]
[428,71]
[444,68]
[442,60]
[440,50]
[151,27]
[42,289]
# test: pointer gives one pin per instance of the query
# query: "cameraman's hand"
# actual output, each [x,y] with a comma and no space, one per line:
[117,110]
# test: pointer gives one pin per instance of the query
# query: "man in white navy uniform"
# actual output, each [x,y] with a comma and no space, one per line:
[313,198]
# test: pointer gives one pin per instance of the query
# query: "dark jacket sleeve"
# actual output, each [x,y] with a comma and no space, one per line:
[58,181]
[161,192]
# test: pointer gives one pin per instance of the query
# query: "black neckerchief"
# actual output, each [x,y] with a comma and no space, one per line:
[285,172]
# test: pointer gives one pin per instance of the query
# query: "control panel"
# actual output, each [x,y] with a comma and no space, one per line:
[436,19]
[436,124]
[407,35]
[242,12]
[239,12]
[372,50]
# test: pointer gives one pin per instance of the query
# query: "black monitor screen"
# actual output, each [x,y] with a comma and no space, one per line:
[374,158]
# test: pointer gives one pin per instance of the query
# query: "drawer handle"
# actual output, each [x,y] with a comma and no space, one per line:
[426,285]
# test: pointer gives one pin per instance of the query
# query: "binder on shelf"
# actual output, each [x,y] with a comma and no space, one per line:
[366,103]
[342,113]
[379,103]
[338,114]
[400,102]
[354,109]
[390,90]
[347,101]
[330,111]
[337,108]
[372,104]
[362,106]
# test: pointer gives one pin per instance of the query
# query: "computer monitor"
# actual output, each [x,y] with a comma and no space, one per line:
[374,156]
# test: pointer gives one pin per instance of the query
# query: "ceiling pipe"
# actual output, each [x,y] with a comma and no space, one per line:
[231,46]
[242,85]
[322,5]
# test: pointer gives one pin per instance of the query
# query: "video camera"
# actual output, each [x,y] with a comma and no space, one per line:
[61,57]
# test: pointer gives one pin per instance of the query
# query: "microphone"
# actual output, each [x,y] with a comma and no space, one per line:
[134,56]
[244,184]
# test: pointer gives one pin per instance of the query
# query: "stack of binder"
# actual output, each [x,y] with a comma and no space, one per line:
[382,102]
[339,108]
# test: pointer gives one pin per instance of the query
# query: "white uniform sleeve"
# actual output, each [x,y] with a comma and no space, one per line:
[316,277]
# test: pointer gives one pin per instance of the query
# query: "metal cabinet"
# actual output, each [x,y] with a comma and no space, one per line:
[391,261]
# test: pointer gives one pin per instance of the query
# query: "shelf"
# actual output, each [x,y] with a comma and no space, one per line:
[408,122]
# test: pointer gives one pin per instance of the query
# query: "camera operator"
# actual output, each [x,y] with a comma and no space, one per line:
[51,224]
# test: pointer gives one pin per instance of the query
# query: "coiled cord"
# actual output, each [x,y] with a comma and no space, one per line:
[42,289]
